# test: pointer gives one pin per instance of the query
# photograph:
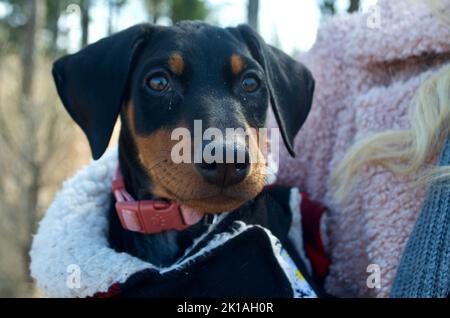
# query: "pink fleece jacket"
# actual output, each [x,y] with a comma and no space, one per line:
[367,69]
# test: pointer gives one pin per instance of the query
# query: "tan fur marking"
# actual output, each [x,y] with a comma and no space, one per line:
[182,183]
[237,64]
[176,63]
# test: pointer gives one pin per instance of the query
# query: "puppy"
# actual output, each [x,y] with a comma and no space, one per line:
[157,79]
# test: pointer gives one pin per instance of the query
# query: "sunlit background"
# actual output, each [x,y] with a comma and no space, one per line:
[39,145]
[291,25]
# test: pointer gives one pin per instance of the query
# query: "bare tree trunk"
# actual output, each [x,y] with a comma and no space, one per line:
[31,196]
[85,20]
[156,17]
[29,48]
[155,7]
[54,30]
[252,13]
[27,112]
[354,6]
[111,11]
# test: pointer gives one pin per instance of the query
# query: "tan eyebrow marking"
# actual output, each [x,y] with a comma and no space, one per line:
[237,64]
[176,63]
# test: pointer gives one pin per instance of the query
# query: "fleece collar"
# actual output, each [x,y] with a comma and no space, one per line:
[72,238]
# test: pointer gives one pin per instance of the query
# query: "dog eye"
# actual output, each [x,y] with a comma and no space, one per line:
[250,84]
[158,82]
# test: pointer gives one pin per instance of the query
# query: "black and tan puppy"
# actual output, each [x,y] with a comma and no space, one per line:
[160,78]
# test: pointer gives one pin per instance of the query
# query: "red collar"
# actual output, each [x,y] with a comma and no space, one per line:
[150,216]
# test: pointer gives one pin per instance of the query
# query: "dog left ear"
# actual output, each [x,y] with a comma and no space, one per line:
[291,84]
[92,83]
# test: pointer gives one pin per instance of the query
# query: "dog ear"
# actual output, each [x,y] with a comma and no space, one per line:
[92,83]
[291,84]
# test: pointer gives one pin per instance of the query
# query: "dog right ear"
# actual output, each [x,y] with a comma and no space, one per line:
[92,83]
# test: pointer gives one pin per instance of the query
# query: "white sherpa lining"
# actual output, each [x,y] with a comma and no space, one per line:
[74,232]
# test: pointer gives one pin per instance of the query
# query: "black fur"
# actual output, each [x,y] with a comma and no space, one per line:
[95,84]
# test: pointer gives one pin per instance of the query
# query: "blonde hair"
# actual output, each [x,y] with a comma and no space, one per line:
[405,152]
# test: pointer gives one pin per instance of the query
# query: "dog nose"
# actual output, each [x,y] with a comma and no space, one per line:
[231,170]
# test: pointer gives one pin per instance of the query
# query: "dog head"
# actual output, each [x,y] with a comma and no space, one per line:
[159,79]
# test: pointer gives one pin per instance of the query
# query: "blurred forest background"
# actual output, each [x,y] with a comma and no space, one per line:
[39,144]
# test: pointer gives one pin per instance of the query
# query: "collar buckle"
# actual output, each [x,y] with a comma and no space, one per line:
[150,217]
[147,217]
[160,216]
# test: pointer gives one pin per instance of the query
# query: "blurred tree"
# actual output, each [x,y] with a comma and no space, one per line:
[12,23]
[156,8]
[328,7]
[53,11]
[252,13]
[30,184]
[188,10]
[32,132]
[354,6]
[114,8]
[177,10]
[13,28]
[85,6]
[52,14]
[29,48]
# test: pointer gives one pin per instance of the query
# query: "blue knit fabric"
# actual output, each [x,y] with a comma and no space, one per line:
[424,270]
